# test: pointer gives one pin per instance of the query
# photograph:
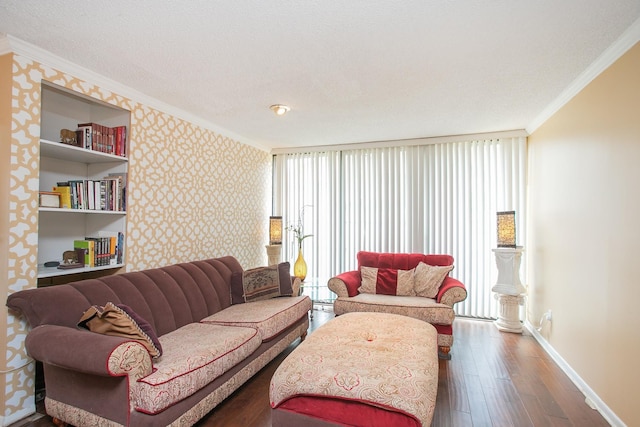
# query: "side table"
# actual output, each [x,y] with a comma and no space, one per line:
[318,290]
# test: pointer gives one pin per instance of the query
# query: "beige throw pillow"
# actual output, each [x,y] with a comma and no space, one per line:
[428,279]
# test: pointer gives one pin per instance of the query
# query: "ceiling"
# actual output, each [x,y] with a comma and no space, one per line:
[351,70]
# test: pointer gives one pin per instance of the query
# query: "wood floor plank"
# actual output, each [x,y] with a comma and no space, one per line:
[458,395]
[493,379]
[534,410]
[477,401]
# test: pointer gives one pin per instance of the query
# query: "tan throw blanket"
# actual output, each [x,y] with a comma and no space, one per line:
[380,359]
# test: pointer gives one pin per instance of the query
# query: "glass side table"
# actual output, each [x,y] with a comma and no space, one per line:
[319,292]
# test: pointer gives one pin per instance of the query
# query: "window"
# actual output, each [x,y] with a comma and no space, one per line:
[432,198]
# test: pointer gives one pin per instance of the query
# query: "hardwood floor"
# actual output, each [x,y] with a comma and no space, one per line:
[493,379]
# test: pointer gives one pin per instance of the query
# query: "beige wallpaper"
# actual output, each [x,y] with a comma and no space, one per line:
[193,194]
[584,234]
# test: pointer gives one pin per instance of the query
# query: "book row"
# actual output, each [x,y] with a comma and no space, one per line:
[96,137]
[101,250]
[107,194]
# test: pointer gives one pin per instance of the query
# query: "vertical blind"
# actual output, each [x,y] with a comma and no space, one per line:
[435,198]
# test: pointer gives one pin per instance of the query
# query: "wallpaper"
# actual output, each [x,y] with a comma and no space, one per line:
[193,194]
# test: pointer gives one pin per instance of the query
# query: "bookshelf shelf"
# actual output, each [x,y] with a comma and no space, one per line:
[60,151]
[88,172]
[81,211]
[44,272]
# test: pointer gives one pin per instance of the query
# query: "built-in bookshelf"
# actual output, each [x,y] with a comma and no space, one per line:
[95,176]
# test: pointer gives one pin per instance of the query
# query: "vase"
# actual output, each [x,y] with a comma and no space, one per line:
[300,266]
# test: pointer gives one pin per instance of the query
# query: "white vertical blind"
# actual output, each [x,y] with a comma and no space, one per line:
[436,198]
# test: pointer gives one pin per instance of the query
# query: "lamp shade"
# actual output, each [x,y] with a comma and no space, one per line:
[275,230]
[507,229]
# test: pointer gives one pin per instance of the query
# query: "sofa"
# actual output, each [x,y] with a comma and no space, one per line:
[161,346]
[411,284]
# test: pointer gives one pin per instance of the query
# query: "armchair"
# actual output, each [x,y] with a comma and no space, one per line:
[392,293]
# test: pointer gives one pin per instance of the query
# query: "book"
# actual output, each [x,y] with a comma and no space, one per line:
[121,193]
[65,195]
[99,136]
[116,245]
[49,199]
[89,247]
[120,141]
[84,134]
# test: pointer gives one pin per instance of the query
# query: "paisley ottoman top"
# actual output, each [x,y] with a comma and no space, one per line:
[385,360]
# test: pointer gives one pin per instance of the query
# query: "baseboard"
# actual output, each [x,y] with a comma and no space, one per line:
[591,398]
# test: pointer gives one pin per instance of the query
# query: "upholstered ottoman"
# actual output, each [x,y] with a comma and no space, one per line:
[369,369]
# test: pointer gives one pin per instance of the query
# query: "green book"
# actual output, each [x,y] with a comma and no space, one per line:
[89,253]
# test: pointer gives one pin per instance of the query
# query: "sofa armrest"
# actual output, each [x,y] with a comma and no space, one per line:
[345,284]
[88,352]
[451,292]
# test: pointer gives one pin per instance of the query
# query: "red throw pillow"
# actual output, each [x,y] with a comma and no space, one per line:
[386,281]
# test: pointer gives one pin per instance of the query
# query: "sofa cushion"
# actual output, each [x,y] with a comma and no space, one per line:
[422,308]
[194,355]
[121,321]
[269,317]
[428,279]
[386,281]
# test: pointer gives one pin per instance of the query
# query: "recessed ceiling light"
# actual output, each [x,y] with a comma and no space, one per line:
[280,109]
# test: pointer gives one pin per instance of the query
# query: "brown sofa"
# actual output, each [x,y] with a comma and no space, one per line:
[437,310]
[209,346]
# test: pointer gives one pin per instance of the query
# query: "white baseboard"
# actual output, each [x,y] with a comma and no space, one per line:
[591,398]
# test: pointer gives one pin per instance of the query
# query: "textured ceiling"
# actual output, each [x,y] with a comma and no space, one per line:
[351,70]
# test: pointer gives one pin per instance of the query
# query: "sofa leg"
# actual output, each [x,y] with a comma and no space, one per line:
[443,352]
[59,423]
[303,336]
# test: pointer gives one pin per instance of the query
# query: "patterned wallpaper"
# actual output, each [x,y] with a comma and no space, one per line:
[193,194]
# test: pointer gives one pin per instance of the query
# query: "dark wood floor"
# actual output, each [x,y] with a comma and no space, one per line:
[493,379]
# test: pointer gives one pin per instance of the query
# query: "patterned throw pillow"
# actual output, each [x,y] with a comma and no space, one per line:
[386,281]
[121,321]
[238,286]
[261,283]
[428,279]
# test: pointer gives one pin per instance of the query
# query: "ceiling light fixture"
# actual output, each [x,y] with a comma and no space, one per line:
[280,109]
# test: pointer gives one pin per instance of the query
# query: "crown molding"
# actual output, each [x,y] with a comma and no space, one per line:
[625,42]
[9,43]
[5,46]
